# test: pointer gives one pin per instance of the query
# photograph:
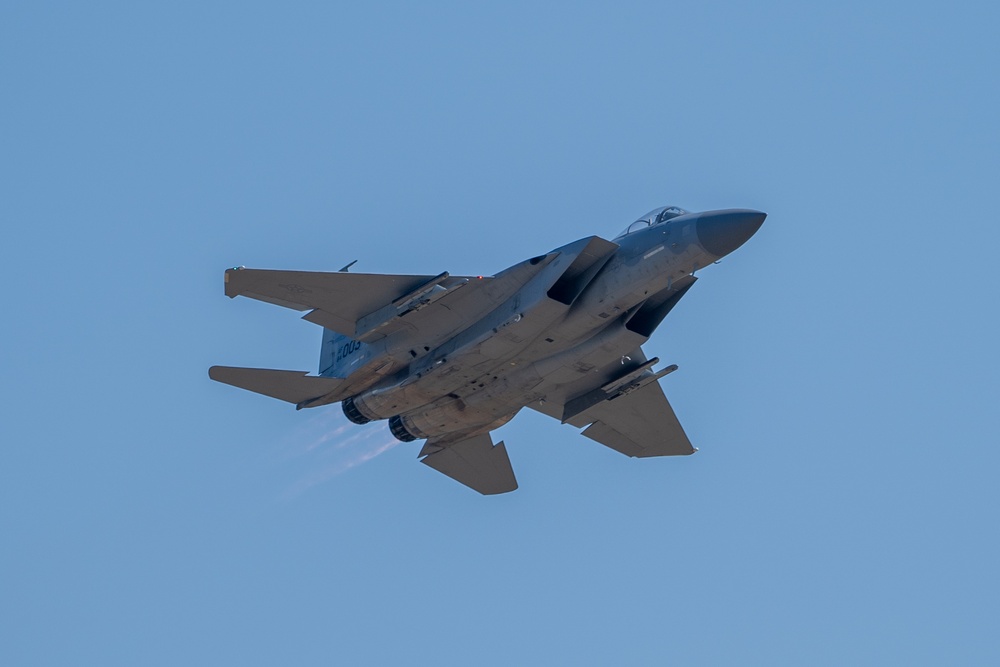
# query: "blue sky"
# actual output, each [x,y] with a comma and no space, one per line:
[838,373]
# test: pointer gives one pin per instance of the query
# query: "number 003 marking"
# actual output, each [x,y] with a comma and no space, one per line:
[347,349]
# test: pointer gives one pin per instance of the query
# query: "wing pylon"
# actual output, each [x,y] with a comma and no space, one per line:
[626,383]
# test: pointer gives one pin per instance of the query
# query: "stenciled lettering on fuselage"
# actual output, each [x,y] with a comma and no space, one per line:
[347,349]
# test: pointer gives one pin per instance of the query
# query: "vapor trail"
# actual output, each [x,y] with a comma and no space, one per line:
[331,445]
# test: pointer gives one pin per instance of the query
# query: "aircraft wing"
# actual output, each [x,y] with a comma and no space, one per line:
[639,424]
[623,408]
[336,300]
[370,306]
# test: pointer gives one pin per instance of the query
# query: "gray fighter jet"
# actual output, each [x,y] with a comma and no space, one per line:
[447,359]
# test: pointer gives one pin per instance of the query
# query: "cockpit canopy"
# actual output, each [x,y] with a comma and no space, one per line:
[655,217]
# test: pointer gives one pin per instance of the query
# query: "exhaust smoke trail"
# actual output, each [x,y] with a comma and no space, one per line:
[332,445]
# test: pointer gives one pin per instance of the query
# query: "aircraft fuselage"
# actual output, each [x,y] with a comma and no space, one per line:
[479,379]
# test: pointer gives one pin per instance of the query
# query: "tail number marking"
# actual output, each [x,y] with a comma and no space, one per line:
[347,349]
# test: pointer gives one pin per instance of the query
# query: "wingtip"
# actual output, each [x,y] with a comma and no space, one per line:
[225,280]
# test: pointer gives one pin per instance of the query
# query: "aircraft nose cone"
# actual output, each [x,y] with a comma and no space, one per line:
[721,232]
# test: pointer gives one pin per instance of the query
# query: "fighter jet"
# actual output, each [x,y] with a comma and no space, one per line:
[448,359]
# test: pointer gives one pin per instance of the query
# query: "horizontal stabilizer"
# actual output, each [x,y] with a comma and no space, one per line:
[296,387]
[475,462]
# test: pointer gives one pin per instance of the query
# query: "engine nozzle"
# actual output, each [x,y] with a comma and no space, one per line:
[399,430]
[352,413]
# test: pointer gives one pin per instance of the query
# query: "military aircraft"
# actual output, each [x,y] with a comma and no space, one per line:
[447,359]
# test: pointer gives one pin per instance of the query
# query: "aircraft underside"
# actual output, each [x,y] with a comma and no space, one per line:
[449,359]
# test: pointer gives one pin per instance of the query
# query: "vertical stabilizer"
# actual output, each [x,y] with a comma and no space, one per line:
[340,356]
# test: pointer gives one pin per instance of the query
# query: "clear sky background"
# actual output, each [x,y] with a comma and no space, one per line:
[838,372]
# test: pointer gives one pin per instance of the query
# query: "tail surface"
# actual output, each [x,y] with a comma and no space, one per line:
[340,356]
[296,387]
